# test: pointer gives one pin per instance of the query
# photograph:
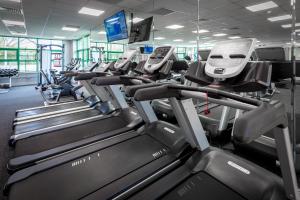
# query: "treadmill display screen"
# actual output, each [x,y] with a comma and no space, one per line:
[116,27]
[159,54]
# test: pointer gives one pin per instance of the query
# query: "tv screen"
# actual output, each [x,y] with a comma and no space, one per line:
[116,27]
[148,49]
[141,31]
[270,54]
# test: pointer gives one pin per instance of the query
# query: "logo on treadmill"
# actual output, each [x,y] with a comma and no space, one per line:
[238,167]
[159,153]
[169,130]
[219,71]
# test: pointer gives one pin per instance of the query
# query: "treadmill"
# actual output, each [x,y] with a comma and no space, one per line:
[211,173]
[36,112]
[51,142]
[54,142]
[102,169]
[111,99]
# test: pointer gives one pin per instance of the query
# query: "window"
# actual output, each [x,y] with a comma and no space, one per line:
[21,53]
[28,43]
[8,42]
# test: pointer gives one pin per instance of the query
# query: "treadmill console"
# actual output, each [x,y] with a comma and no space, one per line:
[228,59]
[125,58]
[158,58]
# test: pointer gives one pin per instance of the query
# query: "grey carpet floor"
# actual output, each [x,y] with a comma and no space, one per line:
[16,98]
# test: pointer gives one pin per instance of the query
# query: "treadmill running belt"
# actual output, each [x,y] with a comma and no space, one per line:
[80,177]
[40,124]
[204,187]
[68,135]
[50,109]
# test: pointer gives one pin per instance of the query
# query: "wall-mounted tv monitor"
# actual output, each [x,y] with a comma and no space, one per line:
[140,31]
[116,27]
[270,54]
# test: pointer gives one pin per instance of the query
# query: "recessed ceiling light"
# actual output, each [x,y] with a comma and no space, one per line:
[59,37]
[280,18]
[167,44]
[289,25]
[201,31]
[18,1]
[258,41]
[102,33]
[17,33]
[234,37]
[178,40]
[70,28]
[159,38]
[13,23]
[136,20]
[90,11]
[174,26]
[262,6]
[219,34]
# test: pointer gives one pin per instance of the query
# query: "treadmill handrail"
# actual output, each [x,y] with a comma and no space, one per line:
[173,90]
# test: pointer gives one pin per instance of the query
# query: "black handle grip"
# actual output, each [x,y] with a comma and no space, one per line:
[131,90]
[144,80]
[259,121]
[215,92]
[159,92]
[88,75]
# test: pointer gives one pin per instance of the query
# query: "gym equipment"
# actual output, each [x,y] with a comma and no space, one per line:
[37,112]
[73,136]
[212,173]
[7,73]
[281,70]
[120,161]
[52,92]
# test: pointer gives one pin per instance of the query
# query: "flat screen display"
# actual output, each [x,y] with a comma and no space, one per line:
[116,27]
[140,31]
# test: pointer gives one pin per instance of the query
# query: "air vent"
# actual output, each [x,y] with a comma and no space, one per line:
[110,1]
[13,11]
[162,11]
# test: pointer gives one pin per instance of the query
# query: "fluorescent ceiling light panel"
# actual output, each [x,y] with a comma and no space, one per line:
[280,18]
[219,34]
[234,37]
[289,25]
[297,30]
[90,11]
[102,33]
[201,31]
[136,20]
[174,26]
[178,40]
[17,1]
[193,41]
[262,6]
[19,34]
[159,38]
[59,37]
[13,23]
[70,28]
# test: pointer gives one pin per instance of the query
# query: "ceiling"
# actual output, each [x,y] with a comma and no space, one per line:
[45,18]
